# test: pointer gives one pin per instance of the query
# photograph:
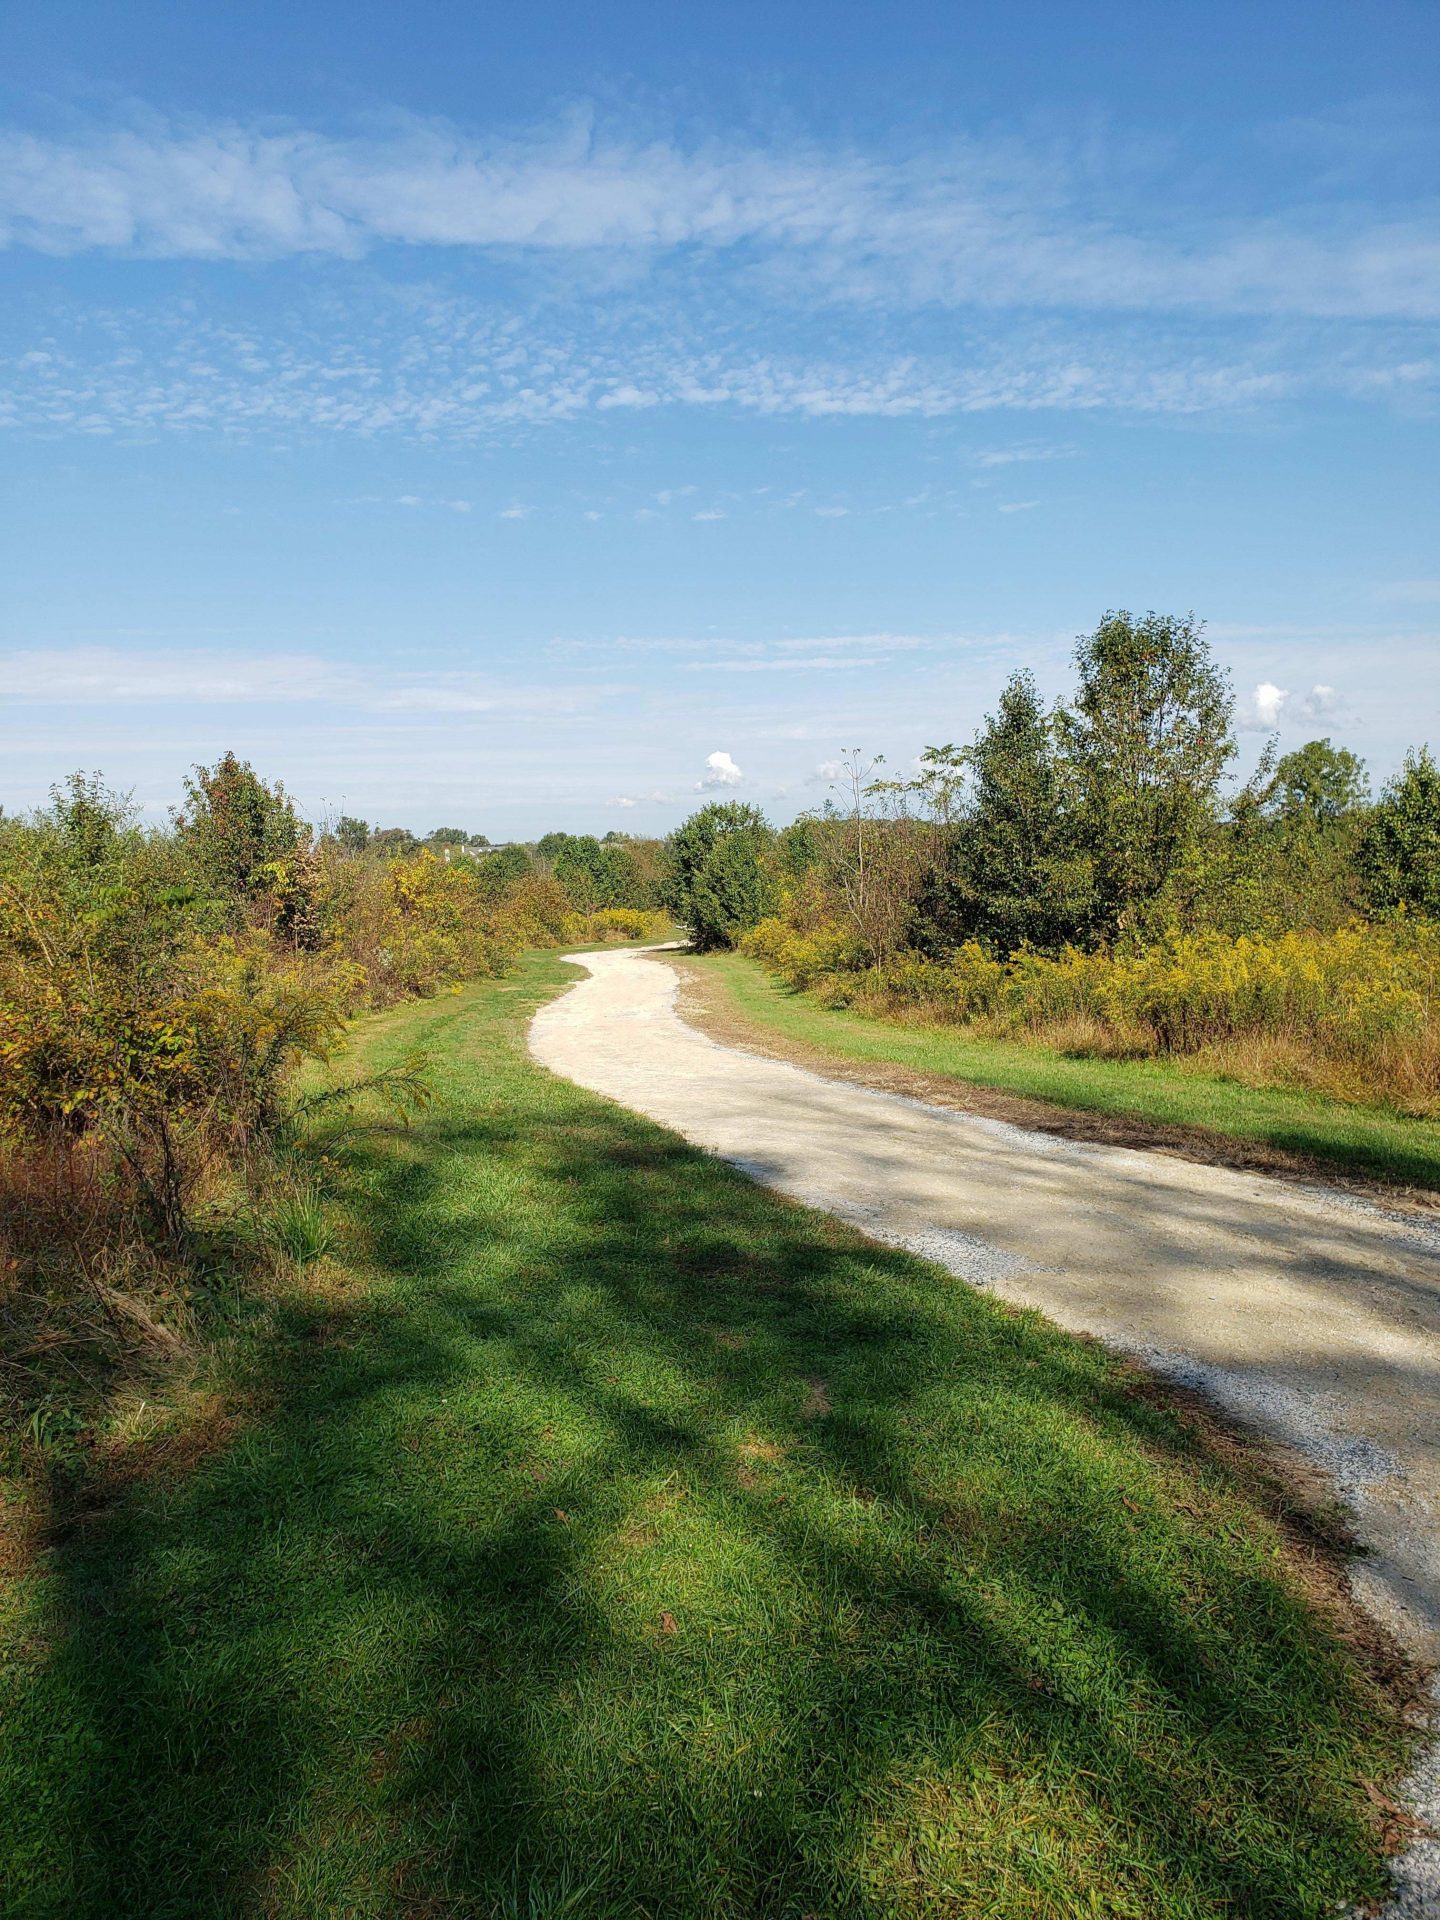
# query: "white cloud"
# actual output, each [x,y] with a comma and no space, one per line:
[1270,706]
[974,222]
[812,663]
[102,676]
[832,513]
[710,513]
[110,676]
[627,396]
[720,771]
[1321,703]
[1017,506]
[1010,456]
[514,513]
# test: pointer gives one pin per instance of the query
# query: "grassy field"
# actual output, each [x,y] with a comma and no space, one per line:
[1369,1141]
[594,1533]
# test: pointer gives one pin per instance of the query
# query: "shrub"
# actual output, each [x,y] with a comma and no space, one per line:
[1355,1012]
[720,882]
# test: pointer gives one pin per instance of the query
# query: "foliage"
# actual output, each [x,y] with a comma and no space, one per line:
[615,872]
[1015,876]
[352,834]
[1399,851]
[720,881]
[1317,785]
[1355,1012]
[247,846]
[615,924]
[1148,737]
[158,992]
[609,1536]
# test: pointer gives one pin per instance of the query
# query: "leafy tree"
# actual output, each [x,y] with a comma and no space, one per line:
[352,834]
[1318,784]
[447,837]
[719,884]
[394,842]
[501,868]
[1399,852]
[1012,875]
[236,826]
[250,848]
[1148,737]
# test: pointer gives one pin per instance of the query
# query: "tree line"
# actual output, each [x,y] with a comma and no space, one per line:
[1103,821]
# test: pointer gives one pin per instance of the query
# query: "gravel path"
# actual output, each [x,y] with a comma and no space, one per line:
[1310,1315]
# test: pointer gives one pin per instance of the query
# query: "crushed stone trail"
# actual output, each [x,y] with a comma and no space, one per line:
[1309,1315]
[1306,1313]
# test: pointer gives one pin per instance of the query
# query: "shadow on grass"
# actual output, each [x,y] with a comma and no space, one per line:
[635,1543]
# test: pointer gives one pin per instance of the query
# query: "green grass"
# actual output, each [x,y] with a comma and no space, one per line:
[1371,1141]
[602,1535]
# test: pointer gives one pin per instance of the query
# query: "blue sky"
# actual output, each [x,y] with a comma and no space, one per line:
[517,418]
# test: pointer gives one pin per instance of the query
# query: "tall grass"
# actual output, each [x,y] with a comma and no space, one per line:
[1354,1013]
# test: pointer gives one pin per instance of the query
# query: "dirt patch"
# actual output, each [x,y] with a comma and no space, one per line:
[705,1005]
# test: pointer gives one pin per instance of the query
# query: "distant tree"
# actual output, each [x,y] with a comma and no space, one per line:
[719,883]
[1012,875]
[394,841]
[352,834]
[1398,856]
[1149,737]
[447,837]
[1317,785]
[499,869]
[88,818]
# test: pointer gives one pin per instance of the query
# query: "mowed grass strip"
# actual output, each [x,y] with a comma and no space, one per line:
[1373,1142]
[599,1534]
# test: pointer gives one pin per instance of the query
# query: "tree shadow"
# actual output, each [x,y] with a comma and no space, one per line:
[637,1543]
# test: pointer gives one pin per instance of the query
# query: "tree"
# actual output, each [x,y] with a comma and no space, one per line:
[719,884]
[1398,856]
[447,837]
[250,848]
[1317,785]
[352,834]
[1149,738]
[394,842]
[1012,875]
[501,868]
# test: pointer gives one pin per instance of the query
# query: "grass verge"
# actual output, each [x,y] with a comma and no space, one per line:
[1127,1102]
[591,1532]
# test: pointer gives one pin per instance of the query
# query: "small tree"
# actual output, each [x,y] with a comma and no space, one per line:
[1013,874]
[235,826]
[352,834]
[1399,852]
[719,884]
[1317,785]
[250,848]
[395,843]
[1149,738]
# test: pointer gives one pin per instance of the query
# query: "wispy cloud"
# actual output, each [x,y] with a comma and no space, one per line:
[970,222]
[175,677]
